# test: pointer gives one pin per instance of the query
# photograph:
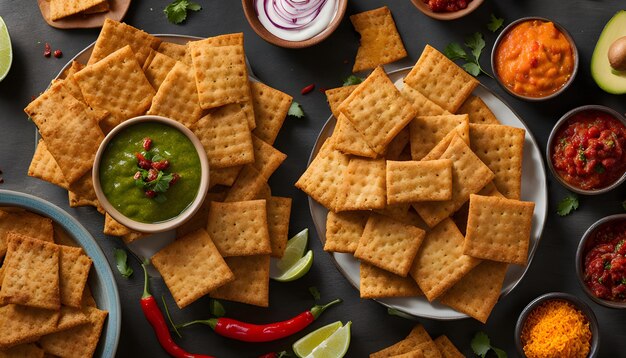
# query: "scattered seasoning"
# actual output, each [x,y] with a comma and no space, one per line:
[308,89]
[556,329]
[58,53]
[322,90]
[47,51]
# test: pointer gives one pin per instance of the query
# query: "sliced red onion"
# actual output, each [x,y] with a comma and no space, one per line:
[292,14]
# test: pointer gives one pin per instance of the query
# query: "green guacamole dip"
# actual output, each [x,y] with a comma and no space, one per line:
[119,164]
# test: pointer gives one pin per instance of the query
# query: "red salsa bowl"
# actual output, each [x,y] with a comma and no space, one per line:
[601,261]
[587,150]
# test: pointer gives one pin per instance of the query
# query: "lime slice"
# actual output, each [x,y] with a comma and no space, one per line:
[299,269]
[294,250]
[335,346]
[6,53]
[305,345]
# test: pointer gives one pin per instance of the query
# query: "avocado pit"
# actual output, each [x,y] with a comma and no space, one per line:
[617,54]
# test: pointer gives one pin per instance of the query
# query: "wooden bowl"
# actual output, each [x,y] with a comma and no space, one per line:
[423,7]
[253,19]
[117,11]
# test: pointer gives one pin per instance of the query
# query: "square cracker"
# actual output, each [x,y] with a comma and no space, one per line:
[343,230]
[191,267]
[389,244]
[378,283]
[441,80]
[336,96]
[498,229]
[427,131]
[412,181]
[266,158]
[115,35]
[363,185]
[424,106]
[177,97]
[380,41]
[177,52]
[248,109]
[21,324]
[252,281]
[477,111]
[501,148]
[117,84]
[248,185]
[462,130]
[71,317]
[478,292]
[226,138]
[79,341]
[31,276]
[278,214]
[349,140]
[82,193]
[460,216]
[74,268]
[221,74]
[224,176]
[72,135]
[447,348]
[234,39]
[378,110]
[62,8]
[403,213]
[270,109]
[422,350]
[156,68]
[440,262]
[45,167]
[323,178]
[24,223]
[26,350]
[240,228]
[398,145]
[417,336]
[469,175]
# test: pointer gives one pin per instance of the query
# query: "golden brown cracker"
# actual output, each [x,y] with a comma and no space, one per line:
[349,140]
[380,41]
[417,336]
[363,186]
[44,167]
[378,283]
[427,131]
[224,176]
[21,324]
[460,216]
[26,350]
[478,111]
[398,144]
[191,267]
[249,184]
[25,223]
[499,229]
[82,193]
[447,348]
[413,181]
[60,8]
[270,109]
[115,35]
[176,51]
[266,158]
[461,130]
[424,106]
[157,67]
[102,7]
[71,317]
[278,214]
[343,230]
[403,213]
[74,268]
[336,96]
[252,281]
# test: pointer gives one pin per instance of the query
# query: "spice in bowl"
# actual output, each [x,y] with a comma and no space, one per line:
[556,328]
[533,58]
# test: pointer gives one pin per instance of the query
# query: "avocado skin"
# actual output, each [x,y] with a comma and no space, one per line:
[606,77]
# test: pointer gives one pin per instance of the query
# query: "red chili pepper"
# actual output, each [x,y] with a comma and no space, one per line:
[249,332]
[58,53]
[308,88]
[47,50]
[154,315]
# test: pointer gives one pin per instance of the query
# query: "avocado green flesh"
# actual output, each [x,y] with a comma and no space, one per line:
[606,77]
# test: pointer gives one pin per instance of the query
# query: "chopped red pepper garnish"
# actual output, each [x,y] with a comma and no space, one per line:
[308,88]
[58,53]
[147,143]
[47,51]
[161,165]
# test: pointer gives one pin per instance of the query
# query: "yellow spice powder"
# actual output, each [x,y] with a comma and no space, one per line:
[556,329]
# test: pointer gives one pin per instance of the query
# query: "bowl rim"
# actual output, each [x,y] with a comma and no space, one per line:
[577,302]
[163,225]
[580,251]
[421,6]
[553,133]
[253,20]
[567,35]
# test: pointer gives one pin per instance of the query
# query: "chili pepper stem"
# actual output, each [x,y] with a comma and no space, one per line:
[146,292]
[317,310]
[211,322]
[167,311]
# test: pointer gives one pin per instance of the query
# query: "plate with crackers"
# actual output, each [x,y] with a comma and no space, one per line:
[427,190]
[57,291]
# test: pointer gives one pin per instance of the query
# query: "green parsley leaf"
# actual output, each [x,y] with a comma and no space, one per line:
[567,205]
[599,168]
[157,157]
[216,308]
[607,265]
[315,293]
[295,110]
[499,352]
[454,51]
[480,344]
[476,43]
[495,23]
[398,313]
[121,262]
[162,182]
[176,11]
[352,80]
[472,68]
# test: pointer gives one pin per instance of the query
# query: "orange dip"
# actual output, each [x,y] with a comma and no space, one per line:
[534,59]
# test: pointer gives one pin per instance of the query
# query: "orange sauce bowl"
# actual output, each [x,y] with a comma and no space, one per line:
[534,59]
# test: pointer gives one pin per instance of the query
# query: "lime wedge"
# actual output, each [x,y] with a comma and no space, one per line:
[294,250]
[6,53]
[335,346]
[299,269]
[305,345]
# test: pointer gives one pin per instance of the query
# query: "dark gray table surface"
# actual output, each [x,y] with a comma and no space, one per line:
[325,65]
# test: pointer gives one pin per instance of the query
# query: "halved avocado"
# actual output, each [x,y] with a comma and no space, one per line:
[605,76]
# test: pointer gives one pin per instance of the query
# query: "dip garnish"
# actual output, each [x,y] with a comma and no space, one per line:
[295,20]
[151,175]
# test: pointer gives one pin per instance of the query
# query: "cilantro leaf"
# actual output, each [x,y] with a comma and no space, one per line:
[398,313]
[216,308]
[121,262]
[480,344]
[161,183]
[454,51]
[295,110]
[499,352]
[176,11]
[315,293]
[495,23]
[472,68]
[352,80]
[567,205]
[476,43]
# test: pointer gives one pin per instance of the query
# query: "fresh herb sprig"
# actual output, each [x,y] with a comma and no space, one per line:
[481,345]
[567,205]
[476,44]
[295,110]
[495,23]
[315,293]
[352,80]
[121,261]
[176,11]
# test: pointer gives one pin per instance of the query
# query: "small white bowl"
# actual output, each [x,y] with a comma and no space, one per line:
[163,225]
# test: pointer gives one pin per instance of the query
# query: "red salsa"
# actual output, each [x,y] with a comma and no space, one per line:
[447,5]
[605,262]
[588,151]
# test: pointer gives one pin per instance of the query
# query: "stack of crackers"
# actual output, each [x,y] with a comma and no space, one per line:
[61,9]
[423,185]
[205,86]
[45,304]
[418,344]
